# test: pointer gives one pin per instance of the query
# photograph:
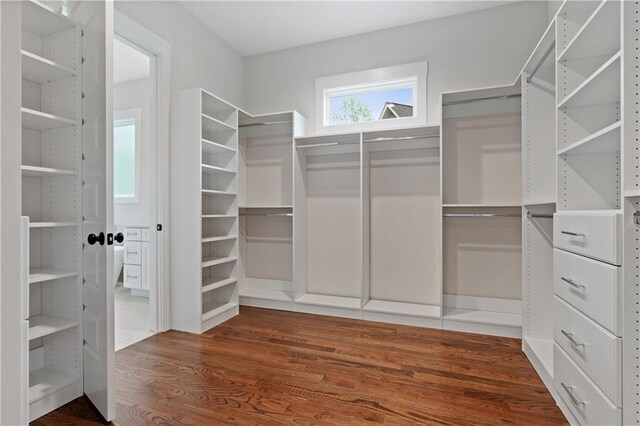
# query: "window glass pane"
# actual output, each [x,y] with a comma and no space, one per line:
[124,160]
[371,106]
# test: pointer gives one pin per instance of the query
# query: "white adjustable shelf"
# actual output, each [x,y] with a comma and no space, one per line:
[41,70]
[36,171]
[632,193]
[216,192]
[213,309]
[538,203]
[212,285]
[483,317]
[218,216]
[402,308]
[210,147]
[37,120]
[482,205]
[213,170]
[597,37]
[38,275]
[277,295]
[602,87]
[266,207]
[605,140]
[52,224]
[46,381]
[330,301]
[223,238]
[45,325]
[213,125]
[210,261]
[42,20]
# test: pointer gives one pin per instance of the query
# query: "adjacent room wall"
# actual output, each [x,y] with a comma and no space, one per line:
[129,95]
[483,48]
[199,58]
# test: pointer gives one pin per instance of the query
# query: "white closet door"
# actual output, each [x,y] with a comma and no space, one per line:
[97,139]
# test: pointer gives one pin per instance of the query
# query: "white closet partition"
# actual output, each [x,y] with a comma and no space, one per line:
[482,199]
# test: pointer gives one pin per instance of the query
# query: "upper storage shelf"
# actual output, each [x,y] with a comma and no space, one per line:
[37,120]
[42,20]
[602,87]
[600,35]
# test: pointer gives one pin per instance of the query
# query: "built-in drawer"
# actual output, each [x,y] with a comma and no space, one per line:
[132,276]
[594,234]
[591,286]
[133,234]
[133,252]
[588,404]
[596,351]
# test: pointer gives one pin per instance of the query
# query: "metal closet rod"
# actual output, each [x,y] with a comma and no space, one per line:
[265,123]
[543,216]
[481,215]
[541,61]
[269,214]
[488,98]
[382,139]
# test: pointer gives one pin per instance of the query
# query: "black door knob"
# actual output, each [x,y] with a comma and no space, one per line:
[119,237]
[93,238]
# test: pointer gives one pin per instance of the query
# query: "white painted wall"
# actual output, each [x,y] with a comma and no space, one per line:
[128,95]
[477,49]
[199,58]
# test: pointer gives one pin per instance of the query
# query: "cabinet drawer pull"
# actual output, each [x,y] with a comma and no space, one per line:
[571,282]
[132,276]
[573,234]
[569,391]
[571,339]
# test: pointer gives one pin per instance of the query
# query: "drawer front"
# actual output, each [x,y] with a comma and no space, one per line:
[592,348]
[133,252]
[596,235]
[592,287]
[584,399]
[132,276]
[132,234]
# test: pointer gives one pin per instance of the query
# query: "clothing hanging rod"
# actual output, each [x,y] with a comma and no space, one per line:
[541,61]
[481,215]
[542,216]
[265,123]
[488,98]
[269,214]
[382,139]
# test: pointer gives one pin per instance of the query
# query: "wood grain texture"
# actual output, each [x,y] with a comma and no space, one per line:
[272,367]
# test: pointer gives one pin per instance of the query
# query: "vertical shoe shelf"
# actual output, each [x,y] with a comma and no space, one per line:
[205,185]
[51,206]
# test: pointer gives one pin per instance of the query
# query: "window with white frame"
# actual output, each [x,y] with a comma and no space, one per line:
[374,99]
[126,156]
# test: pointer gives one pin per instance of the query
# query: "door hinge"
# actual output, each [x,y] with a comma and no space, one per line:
[636,217]
[159,227]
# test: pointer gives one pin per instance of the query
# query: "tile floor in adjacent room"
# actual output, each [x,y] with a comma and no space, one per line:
[132,318]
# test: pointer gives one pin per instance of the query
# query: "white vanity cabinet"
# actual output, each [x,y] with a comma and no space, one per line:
[137,250]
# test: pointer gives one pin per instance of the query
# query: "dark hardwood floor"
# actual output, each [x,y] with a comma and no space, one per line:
[270,367]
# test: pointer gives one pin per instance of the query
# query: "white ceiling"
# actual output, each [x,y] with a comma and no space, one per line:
[254,27]
[128,63]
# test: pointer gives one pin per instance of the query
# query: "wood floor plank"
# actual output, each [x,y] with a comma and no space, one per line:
[271,367]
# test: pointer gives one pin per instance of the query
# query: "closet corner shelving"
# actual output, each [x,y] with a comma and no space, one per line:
[51,242]
[205,243]
[482,207]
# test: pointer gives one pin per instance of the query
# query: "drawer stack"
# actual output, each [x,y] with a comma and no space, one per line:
[587,314]
[136,258]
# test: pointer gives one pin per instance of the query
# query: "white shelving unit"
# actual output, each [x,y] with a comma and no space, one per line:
[482,203]
[205,246]
[51,115]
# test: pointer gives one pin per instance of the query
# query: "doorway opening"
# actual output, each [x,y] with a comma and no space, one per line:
[134,188]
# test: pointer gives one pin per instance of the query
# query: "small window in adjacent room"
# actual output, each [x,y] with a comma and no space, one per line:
[374,99]
[126,159]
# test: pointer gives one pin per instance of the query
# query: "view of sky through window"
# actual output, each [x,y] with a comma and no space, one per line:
[367,106]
